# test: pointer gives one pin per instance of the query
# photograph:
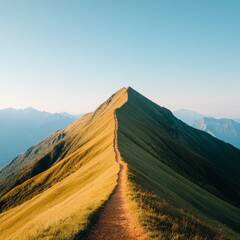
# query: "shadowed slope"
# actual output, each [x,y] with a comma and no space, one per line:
[174,167]
[66,190]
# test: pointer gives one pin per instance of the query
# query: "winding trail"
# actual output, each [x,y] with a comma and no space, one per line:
[115,221]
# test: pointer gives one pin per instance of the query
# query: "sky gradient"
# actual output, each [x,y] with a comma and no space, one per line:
[71,55]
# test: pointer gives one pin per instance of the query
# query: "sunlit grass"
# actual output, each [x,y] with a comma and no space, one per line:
[169,198]
[61,201]
[162,221]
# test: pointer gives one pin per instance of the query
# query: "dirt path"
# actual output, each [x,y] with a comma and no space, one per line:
[116,221]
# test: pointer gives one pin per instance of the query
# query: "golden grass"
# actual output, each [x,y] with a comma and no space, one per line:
[161,220]
[58,202]
[63,197]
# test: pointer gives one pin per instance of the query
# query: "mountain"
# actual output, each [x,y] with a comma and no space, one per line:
[237,120]
[51,190]
[72,116]
[187,116]
[22,128]
[182,183]
[225,129]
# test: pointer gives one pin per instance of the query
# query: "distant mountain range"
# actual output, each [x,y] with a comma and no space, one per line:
[22,128]
[182,182]
[237,120]
[187,116]
[227,130]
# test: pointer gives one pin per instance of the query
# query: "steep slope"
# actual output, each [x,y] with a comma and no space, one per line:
[22,128]
[185,181]
[225,129]
[56,185]
[182,183]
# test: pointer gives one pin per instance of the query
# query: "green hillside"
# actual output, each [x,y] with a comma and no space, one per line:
[185,181]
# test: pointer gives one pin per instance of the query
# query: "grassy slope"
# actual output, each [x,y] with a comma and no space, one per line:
[57,202]
[26,165]
[170,178]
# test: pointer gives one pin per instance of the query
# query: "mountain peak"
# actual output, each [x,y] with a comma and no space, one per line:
[130,89]
[172,170]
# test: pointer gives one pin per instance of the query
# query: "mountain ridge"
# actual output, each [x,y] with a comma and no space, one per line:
[170,124]
[158,140]
[175,171]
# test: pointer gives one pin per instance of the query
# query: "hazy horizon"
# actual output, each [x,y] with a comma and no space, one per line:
[71,56]
[213,114]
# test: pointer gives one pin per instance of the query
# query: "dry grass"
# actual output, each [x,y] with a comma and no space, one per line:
[58,202]
[162,221]
[63,209]
[171,192]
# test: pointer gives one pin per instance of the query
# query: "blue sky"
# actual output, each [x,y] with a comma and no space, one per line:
[71,55]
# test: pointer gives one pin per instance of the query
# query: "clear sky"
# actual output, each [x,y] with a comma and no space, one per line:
[63,55]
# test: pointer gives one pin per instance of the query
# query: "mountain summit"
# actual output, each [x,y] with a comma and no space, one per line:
[182,183]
